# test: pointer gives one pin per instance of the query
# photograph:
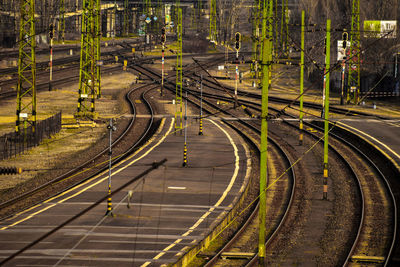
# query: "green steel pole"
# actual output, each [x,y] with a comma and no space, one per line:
[213,21]
[354,72]
[326,110]
[98,48]
[179,77]
[62,21]
[265,63]
[26,84]
[254,39]
[301,77]
[126,20]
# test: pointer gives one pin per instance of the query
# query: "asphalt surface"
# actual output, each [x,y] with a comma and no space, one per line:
[171,209]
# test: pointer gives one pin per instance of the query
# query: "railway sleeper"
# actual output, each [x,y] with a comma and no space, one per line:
[367,259]
[237,255]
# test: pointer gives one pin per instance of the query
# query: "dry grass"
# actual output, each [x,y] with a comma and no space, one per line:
[69,143]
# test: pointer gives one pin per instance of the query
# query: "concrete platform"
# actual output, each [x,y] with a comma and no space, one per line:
[171,209]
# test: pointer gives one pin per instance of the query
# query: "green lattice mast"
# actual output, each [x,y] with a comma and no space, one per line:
[213,21]
[285,28]
[353,88]
[26,85]
[179,78]
[88,71]
[62,22]
[256,36]
[98,49]
[126,18]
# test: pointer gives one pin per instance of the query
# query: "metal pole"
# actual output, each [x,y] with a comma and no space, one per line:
[98,48]
[201,105]
[162,68]
[342,85]
[51,57]
[111,128]
[326,110]
[185,127]
[236,77]
[266,61]
[301,77]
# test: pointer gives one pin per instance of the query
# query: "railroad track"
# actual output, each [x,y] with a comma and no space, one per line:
[129,138]
[377,217]
[377,228]
[282,200]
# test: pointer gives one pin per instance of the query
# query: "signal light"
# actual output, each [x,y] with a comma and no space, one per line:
[345,36]
[163,39]
[51,31]
[237,38]
[10,170]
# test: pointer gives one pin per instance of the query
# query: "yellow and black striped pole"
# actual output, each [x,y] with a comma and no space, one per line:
[301,77]
[111,128]
[201,105]
[184,164]
[201,126]
[109,201]
[326,108]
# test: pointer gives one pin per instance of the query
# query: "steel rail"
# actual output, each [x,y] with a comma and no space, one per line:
[291,174]
[370,162]
[103,152]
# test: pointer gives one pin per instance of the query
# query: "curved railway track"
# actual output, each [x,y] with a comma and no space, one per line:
[129,139]
[377,225]
[377,228]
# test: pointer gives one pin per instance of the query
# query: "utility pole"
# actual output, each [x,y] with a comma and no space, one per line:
[185,161]
[111,128]
[301,77]
[114,20]
[178,88]
[98,49]
[344,40]
[126,18]
[201,106]
[51,34]
[266,67]
[256,36]
[237,48]
[213,21]
[26,84]
[87,72]
[148,15]
[353,88]
[61,22]
[199,7]
[326,107]
[163,39]
[284,27]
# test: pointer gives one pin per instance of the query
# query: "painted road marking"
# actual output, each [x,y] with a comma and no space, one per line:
[221,199]
[377,141]
[176,187]
[94,178]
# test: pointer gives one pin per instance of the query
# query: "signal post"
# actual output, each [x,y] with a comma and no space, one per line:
[237,48]
[163,39]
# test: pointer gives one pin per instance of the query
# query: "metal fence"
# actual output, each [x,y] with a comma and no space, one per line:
[12,144]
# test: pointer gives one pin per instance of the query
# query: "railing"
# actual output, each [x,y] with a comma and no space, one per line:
[12,144]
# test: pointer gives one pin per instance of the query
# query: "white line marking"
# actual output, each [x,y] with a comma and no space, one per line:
[221,199]
[177,187]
